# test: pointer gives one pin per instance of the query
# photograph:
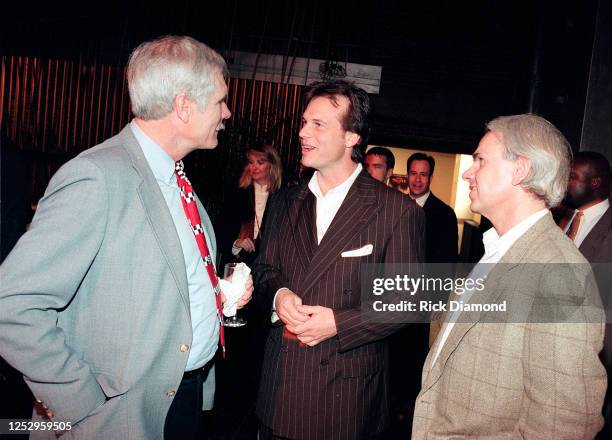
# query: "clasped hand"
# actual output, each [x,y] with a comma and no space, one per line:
[310,324]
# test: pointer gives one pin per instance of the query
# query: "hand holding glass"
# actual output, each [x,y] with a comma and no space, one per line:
[231,321]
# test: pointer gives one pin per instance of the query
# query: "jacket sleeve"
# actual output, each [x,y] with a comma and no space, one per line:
[41,276]
[564,379]
[267,275]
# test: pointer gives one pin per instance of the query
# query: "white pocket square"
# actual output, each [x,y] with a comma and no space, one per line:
[361,252]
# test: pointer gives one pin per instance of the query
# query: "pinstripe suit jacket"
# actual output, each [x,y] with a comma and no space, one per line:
[530,380]
[337,389]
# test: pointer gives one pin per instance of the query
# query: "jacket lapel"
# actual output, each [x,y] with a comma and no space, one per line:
[303,225]
[356,212]
[157,214]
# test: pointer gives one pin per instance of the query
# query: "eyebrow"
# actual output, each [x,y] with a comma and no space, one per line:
[320,121]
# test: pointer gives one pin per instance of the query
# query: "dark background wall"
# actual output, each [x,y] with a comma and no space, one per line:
[448,65]
[597,129]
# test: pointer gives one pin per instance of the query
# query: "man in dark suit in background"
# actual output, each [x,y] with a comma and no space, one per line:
[441,219]
[588,192]
[590,227]
[410,345]
[325,366]
[379,163]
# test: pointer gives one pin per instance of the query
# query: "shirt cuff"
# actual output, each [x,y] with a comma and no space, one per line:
[274,318]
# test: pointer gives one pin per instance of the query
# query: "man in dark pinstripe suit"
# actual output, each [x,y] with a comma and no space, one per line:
[325,365]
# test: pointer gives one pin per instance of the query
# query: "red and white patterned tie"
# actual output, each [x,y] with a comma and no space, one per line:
[191,211]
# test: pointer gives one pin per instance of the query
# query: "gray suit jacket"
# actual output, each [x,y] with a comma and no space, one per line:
[94,303]
[522,379]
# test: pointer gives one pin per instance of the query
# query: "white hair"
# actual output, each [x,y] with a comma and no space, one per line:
[548,151]
[161,69]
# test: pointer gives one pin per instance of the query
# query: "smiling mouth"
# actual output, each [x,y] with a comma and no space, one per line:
[307,148]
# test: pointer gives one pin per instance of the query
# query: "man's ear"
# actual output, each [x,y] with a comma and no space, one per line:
[182,107]
[351,139]
[389,173]
[595,183]
[522,170]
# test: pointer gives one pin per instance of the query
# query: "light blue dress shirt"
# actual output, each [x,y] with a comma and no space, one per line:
[204,320]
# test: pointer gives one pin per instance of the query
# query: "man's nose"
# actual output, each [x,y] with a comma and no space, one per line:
[226,112]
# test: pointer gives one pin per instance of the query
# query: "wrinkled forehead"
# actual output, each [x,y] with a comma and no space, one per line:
[491,143]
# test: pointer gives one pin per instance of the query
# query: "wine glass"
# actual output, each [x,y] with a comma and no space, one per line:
[231,321]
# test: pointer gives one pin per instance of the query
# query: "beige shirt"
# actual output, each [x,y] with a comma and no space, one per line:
[261,198]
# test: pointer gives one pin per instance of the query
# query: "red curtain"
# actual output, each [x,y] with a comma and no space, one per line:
[56,108]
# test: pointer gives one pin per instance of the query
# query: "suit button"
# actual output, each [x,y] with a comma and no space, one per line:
[325,362]
[184,348]
[347,291]
[170,392]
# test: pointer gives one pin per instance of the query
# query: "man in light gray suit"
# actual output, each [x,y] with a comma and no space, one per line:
[106,306]
[519,376]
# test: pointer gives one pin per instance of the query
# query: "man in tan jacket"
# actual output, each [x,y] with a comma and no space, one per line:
[528,369]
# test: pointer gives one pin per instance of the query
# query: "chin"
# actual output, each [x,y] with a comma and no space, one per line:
[209,145]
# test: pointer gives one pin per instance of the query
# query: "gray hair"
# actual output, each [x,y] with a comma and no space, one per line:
[536,139]
[161,69]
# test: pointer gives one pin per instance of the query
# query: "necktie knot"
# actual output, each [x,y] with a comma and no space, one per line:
[179,169]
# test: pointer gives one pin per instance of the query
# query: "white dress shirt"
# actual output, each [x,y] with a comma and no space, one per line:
[589,219]
[329,204]
[495,248]
[422,199]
